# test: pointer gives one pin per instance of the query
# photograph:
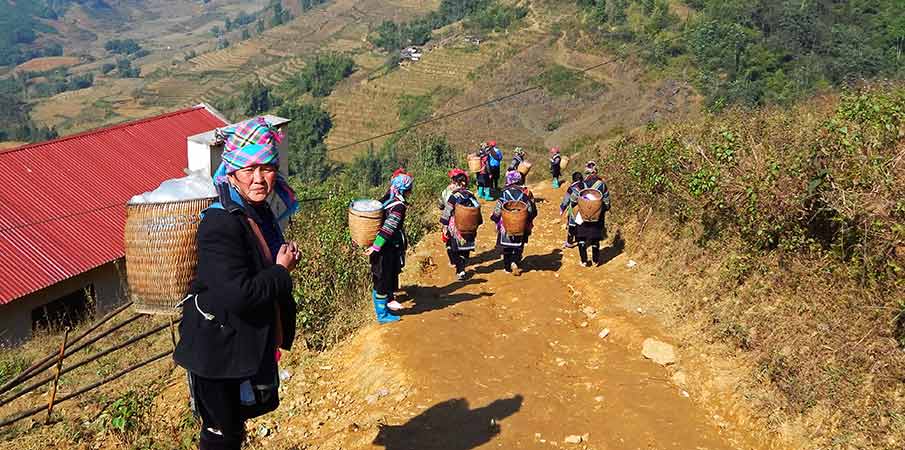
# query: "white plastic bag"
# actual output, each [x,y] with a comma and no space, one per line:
[195,185]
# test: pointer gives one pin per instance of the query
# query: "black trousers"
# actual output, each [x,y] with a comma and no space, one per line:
[458,258]
[495,177]
[386,265]
[512,255]
[595,250]
[570,237]
[217,404]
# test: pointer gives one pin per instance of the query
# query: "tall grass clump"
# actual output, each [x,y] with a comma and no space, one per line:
[788,231]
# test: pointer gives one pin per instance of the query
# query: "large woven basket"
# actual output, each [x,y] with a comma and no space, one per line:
[160,244]
[563,162]
[515,217]
[524,168]
[590,204]
[467,219]
[364,225]
[474,163]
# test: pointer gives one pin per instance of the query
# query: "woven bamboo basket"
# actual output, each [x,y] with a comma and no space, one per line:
[590,204]
[474,163]
[524,168]
[363,225]
[467,219]
[563,162]
[515,217]
[161,253]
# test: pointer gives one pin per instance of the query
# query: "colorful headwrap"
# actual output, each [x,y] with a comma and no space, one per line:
[236,157]
[252,131]
[513,177]
[519,151]
[590,168]
[554,150]
[401,184]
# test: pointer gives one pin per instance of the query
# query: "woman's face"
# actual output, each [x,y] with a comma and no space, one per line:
[255,183]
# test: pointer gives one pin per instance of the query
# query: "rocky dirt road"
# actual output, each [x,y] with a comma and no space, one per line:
[499,361]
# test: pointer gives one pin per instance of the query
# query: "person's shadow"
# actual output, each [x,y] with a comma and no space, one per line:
[493,254]
[550,262]
[614,250]
[450,425]
[429,298]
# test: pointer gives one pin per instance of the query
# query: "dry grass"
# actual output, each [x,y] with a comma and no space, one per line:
[87,418]
[47,63]
[819,333]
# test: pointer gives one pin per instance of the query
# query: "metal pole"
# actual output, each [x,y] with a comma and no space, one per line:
[173,338]
[56,378]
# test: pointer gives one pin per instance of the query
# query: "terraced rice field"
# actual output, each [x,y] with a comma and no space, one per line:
[369,108]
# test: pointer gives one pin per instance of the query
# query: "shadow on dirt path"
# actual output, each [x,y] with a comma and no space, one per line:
[432,298]
[449,425]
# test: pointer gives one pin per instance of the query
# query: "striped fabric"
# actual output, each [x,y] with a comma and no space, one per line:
[253,131]
[392,224]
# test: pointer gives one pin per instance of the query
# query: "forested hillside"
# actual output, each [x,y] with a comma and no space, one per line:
[757,52]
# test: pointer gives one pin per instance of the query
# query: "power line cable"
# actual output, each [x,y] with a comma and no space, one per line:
[103,208]
[382,135]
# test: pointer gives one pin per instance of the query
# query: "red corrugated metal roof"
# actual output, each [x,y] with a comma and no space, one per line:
[62,202]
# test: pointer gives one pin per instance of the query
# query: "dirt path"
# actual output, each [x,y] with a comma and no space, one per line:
[499,361]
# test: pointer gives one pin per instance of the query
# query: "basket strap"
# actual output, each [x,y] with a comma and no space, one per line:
[265,250]
[262,243]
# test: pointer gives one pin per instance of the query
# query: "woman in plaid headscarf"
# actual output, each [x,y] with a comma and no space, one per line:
[387,254]
[240,309]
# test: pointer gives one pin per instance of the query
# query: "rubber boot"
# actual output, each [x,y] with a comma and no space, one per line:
[380,308]
[556,183]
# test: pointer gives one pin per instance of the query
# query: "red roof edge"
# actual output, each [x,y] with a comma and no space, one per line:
[115,127]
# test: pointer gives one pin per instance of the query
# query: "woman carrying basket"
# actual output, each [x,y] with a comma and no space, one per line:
[555,166]
[240,309]
[590,232]
[387,253]
[518,157]
[568,207]
[484,176]
[512,244]
[460,237]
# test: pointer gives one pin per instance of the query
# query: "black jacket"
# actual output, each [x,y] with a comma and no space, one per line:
[238,287]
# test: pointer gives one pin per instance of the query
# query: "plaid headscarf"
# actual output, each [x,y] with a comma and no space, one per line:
[254,155]
[513,177]
[252,131]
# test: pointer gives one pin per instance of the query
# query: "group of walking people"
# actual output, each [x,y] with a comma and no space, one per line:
[461,216]
[240,310]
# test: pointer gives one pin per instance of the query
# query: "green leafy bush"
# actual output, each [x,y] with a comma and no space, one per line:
[321,74]
[481,15]
[753,53]
[825,186]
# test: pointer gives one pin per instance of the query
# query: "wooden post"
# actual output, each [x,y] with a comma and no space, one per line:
[173,340]
[56,378]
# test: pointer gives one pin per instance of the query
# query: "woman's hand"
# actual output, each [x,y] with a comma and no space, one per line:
[288,256]
[369,251]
